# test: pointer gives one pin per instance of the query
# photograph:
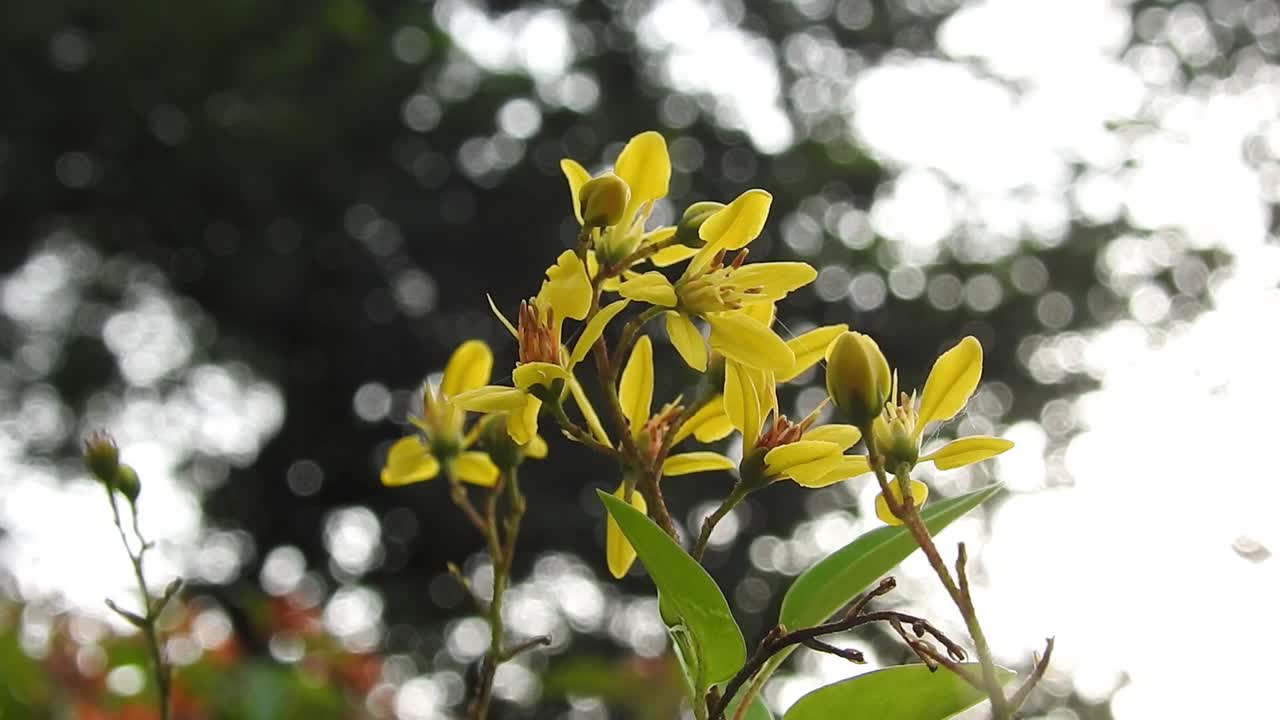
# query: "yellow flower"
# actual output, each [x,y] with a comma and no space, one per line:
[635,394]
[442,442]
[717,292]
[775,448]
[711,423]
[545,367]
[644,168]
[897,431]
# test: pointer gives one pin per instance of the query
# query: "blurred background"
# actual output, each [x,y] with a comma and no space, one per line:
[239,234]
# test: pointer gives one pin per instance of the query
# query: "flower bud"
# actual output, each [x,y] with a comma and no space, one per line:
[858,378]
[102,457]
[603,199]
[126,481]
[691,222]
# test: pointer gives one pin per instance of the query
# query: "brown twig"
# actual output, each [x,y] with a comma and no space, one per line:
[779,639]
[1039,666]
[909,513]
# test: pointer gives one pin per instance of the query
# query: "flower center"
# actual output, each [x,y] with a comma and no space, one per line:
[537,336]
[714,288]
[654,433]
[782,431]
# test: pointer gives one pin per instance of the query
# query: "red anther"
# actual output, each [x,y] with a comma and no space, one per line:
[741,258]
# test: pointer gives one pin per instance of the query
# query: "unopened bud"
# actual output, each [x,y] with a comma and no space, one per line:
[126,481]
[102,457]
[603,199]
[691,222]
[858,378]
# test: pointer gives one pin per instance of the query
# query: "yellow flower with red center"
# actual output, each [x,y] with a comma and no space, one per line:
[545,367]
[649,433]
[775,448]
[717,289]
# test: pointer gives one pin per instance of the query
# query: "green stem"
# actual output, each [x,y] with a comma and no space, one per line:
[151,611]
[709,524]
[910,516]
[500,539]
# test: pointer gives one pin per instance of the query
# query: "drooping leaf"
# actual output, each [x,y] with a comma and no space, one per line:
[905,692]
[836,579]
[690,597]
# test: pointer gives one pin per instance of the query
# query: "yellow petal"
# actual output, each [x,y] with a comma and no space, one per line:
[408,462]
[734,225]
[919,493]
[845,467]
[522,423]
[696,462]
[810,347]
[967,451]
[537,373]
[635,391]
[742,404]
[646,167]
[577,177]
[536,448]
[594,329]
[567,288]
[812,473]
[651,287]
[775,279]
[502,318]
[742,338]
[846,436]
[708,424]
[952,380]
[672,254]
[780,460]
[763,312]
[490,399]
[474,467]
[688,341]
[469,368]
[618,551]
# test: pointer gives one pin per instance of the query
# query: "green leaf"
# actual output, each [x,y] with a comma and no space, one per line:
[905,692]
[836,579]
[689,596]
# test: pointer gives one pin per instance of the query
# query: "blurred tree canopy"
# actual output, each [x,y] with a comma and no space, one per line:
[336,185]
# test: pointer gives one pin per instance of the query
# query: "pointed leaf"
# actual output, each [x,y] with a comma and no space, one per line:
[688,593]
[838,578]
[905,692]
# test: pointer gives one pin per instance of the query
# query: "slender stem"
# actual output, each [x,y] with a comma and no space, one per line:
[709,524]
[910,516]
[500,539]
[630,331]
[577,432]
[150,610]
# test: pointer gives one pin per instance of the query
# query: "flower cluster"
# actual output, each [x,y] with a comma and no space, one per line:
[718,313]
